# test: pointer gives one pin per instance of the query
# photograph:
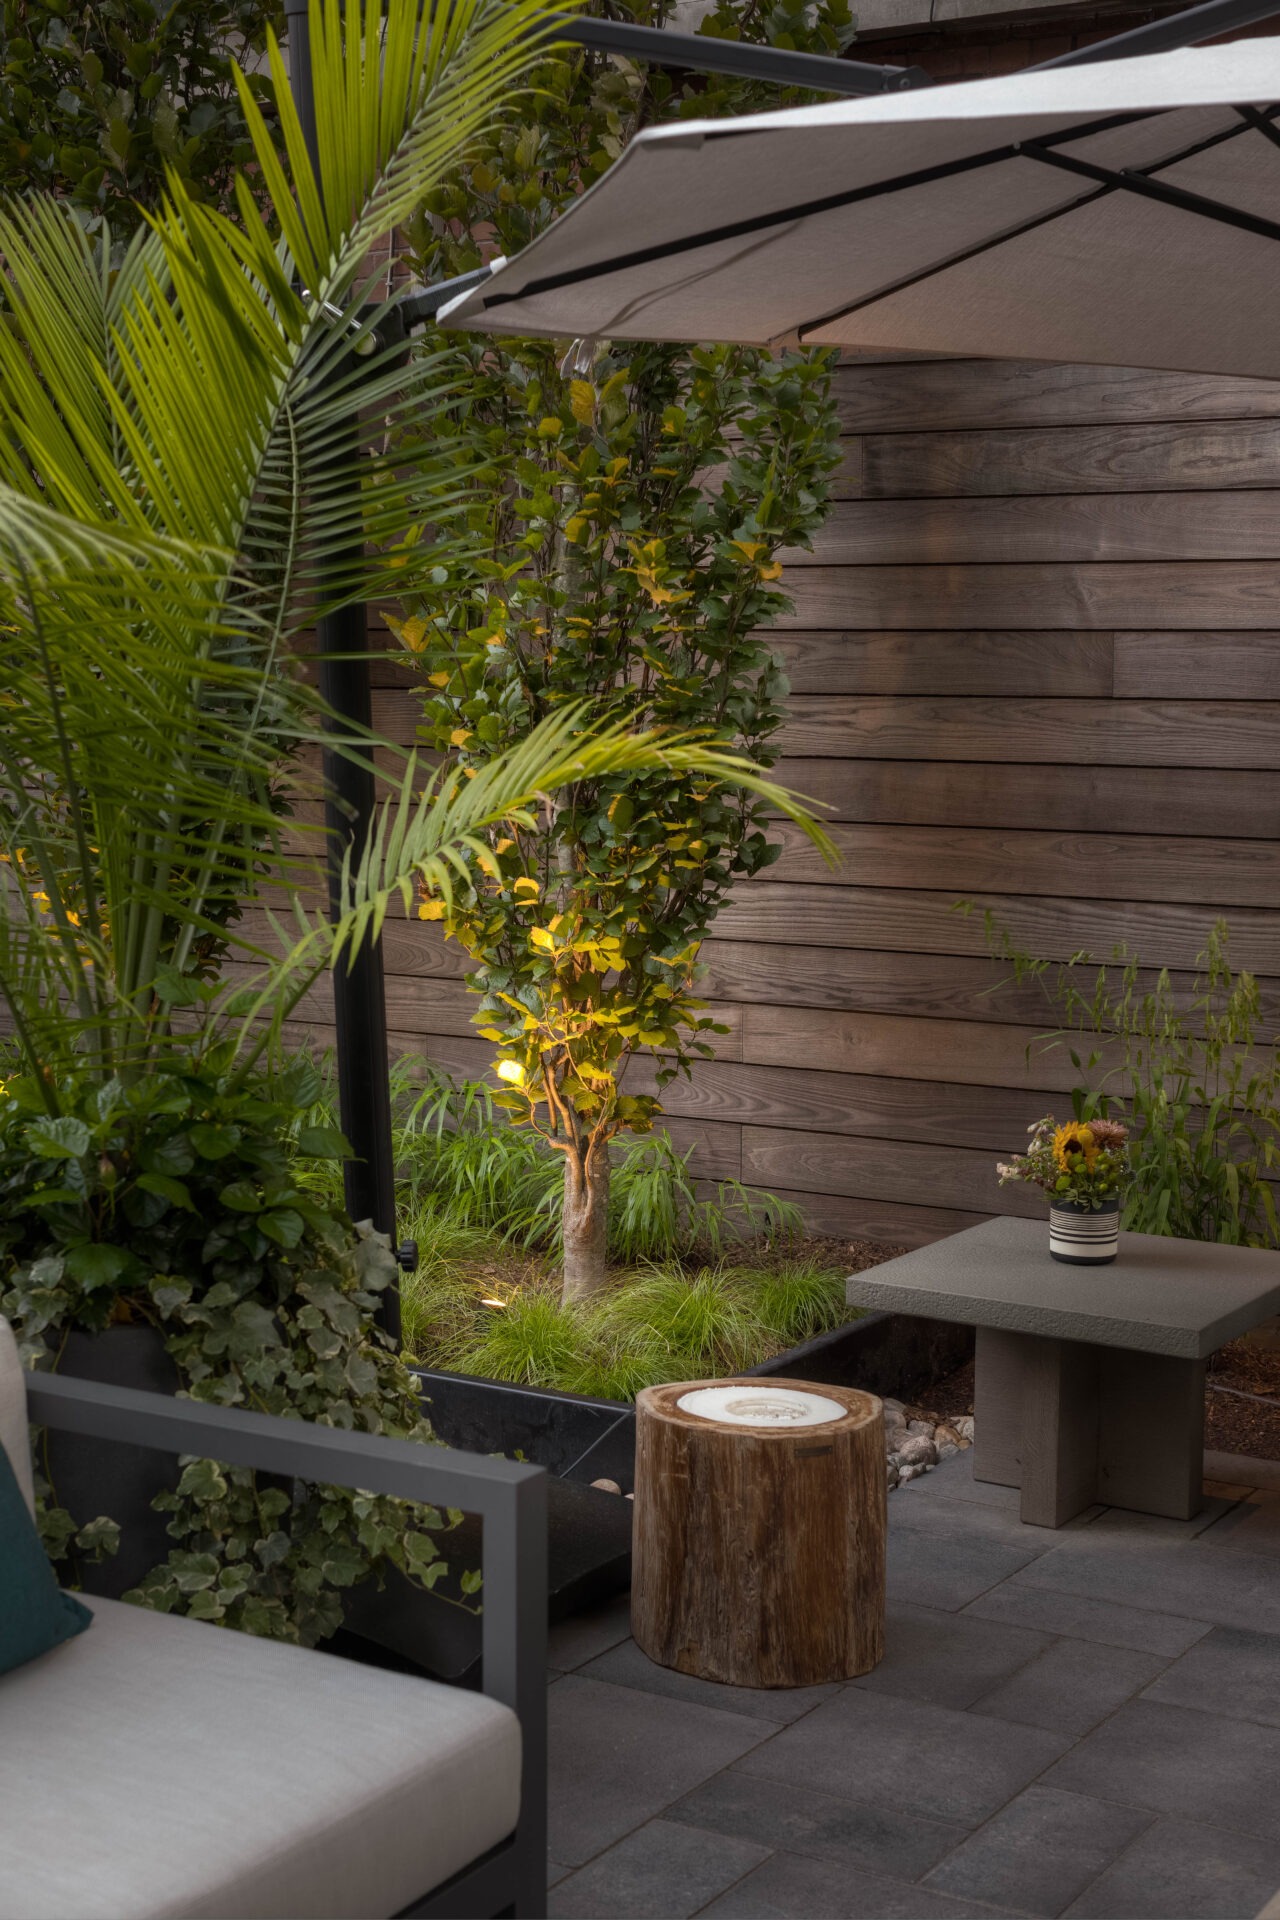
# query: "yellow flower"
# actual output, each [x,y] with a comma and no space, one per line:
[1070,1142]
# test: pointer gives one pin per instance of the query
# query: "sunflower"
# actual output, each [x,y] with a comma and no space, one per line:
[1072,1141]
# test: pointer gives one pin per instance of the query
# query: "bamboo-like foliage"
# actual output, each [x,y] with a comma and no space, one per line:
[180,493]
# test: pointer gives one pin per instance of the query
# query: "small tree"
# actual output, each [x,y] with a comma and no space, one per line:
[630,513]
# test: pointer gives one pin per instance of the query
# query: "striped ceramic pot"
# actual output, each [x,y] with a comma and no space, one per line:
[1084,1236]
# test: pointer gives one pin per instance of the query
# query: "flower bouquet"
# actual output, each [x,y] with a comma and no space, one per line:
[1081,1166]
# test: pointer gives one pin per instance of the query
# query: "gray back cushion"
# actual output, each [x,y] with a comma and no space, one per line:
[14,1437]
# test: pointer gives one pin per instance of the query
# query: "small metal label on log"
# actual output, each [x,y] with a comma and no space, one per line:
[761,1406]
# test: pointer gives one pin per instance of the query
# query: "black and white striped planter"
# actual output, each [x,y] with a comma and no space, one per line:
[1084,1236]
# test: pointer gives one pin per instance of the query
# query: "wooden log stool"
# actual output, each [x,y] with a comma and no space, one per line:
[759,1553]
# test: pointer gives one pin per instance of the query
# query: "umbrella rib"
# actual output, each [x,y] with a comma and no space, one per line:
[1140,183]
[1261,122]
[952,260]
[1012,233]
[830,203]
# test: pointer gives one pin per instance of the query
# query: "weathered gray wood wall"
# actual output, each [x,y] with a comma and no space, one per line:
[1035,662]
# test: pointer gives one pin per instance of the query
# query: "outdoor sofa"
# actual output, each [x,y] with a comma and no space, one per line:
[157,1766]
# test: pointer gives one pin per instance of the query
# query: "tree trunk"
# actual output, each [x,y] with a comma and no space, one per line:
[586,1222]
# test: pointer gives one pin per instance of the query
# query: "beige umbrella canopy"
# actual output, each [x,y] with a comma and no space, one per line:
[1123,213]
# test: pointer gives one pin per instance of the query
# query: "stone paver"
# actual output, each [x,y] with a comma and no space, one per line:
[660,1872]
[1040,1851]
[1080,1723]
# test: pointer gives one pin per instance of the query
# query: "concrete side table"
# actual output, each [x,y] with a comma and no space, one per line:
[1090,1380]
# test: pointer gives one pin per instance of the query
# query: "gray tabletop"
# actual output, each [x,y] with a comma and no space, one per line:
[1181,1297]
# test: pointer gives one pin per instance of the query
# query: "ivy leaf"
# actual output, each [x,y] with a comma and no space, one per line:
[242,1196]
[283,1226]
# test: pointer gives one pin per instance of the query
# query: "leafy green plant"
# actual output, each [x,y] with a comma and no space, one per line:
[172,1202]
[630,509]
[172,512]
[1194,1076]
[100,102]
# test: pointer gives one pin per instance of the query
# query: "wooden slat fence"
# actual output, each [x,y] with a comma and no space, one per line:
[1035,661]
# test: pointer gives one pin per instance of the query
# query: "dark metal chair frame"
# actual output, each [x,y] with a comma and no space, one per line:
[511,1500]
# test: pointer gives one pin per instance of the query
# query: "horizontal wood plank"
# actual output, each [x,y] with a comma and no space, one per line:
[956,1053]
[1082,733]
[1159,455]
[899,1170]
[912,921]
[1047,527]
[913,396]
[1168,800]
[1193,666]
[895,1107]
[887,1224]
[947,663]
[1108,866]
[1100,596]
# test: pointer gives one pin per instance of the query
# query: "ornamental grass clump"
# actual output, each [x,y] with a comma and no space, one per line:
[1076,1164]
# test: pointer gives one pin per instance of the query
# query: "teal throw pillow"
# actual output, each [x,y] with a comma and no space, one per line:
[35,1614]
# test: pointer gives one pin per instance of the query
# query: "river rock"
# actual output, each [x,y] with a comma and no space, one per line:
[917,1451]
[607,1486]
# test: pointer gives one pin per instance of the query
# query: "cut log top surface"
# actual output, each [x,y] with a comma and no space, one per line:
[858,1408]
[1180,1297]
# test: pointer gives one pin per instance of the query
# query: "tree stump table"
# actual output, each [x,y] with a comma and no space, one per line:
[759,1555]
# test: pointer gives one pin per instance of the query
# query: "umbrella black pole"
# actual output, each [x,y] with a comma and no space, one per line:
[359,997]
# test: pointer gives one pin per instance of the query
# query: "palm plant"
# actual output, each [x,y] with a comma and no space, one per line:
[179,496]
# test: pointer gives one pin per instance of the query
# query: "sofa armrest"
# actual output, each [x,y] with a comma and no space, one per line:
[510,1498]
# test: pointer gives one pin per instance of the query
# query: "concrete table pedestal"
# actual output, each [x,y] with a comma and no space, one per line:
[1072,1424]
[1090,1380]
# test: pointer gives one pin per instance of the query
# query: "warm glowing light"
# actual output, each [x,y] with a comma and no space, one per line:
[510,1070]
[485,1302]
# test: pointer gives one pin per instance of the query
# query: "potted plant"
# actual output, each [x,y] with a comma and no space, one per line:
[1081,1166]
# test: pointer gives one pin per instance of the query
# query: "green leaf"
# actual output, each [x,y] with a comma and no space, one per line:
[167,1189]
[323,1143]
[283,1226]
[96,1265]
[213,1142]
[63,1139]
[241,1196]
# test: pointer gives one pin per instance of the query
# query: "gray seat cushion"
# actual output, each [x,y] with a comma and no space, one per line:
[158,1766]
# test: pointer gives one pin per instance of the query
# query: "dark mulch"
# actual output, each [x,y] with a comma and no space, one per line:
[1231,1425]
[843,1256]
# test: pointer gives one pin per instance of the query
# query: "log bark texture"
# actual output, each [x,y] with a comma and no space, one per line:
[759,1553]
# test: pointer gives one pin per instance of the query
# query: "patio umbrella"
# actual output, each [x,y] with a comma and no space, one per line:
[1123,213]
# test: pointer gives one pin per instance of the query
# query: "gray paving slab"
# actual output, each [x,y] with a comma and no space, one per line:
[1105,1621]
[1122,1522]
[877,1748]
[1229,1589]
[949,1658]
[1072,1686]
[788,1887]
[975,1520]
[619,1756]
[1231,1671]
[1040,1851]
[556,1873]
[627,1666]
[896,1840]
[953,1480]
[1252,1525]
[1179,1867]
[1177,1297]
[1178,1760]
[949,1570]
[663,1872]
[571,1643]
